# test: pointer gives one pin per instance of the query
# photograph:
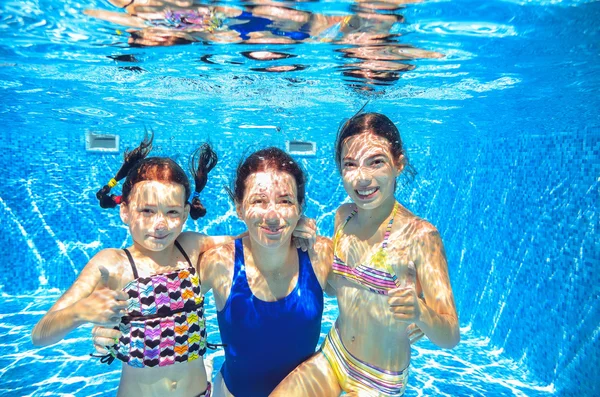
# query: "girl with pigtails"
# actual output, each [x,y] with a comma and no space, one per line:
[150,292]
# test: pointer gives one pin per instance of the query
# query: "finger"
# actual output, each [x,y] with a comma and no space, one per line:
[411,275]
[103,332]
[304,245]
[101,350]
[104,277]
[415,337]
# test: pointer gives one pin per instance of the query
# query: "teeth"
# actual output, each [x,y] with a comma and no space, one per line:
[366,192]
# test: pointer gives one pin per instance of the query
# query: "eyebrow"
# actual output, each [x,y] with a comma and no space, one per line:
[380,154]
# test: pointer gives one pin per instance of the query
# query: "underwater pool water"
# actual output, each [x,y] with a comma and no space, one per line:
[497,102]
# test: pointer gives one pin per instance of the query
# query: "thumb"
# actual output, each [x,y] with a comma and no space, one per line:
[104,276]
[411,275]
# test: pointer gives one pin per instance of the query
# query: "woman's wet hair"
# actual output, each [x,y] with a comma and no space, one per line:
[376,124]
[137,168]
[269,159]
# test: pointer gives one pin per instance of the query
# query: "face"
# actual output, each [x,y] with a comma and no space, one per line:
[155,213]
[368,170]
[270,208]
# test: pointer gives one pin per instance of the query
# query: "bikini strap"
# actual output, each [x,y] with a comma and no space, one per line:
[131,262]
[180,248]
[337,233]
[388,230]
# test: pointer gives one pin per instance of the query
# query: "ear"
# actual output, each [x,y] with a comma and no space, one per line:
[239,210]
[186,212]
[400,163]
[124,212]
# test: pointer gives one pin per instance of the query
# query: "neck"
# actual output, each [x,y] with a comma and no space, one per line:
[376,216]
[160,258]
[270,260]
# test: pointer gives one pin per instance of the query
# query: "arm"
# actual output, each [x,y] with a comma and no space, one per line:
[321,257]
[89,299]
[436,314]
[438,319]
[216,272]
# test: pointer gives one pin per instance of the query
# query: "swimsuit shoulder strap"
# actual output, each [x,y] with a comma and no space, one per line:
[388,230]
[131,262]
[180,248]
[339,230]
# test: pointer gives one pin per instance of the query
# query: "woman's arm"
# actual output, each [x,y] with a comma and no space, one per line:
[436,314]
[89,299]
[321,257]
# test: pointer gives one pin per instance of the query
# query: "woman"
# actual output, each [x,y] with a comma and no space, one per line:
[385,259]
[269,295]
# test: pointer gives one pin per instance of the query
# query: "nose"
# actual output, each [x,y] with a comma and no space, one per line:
[363,176]
[160,223]
[272,215]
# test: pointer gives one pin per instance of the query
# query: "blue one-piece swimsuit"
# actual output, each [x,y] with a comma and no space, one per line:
[265,341]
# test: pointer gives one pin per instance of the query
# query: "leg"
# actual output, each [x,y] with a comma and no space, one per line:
[314,377]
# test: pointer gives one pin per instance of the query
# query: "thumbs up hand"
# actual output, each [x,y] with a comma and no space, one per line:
[404,301]
[103,306]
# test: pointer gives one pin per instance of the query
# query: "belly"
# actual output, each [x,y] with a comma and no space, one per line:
[177,380]
[369,331]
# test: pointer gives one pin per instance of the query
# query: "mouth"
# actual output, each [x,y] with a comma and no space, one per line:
[159,237]
[272,230]
[365,194]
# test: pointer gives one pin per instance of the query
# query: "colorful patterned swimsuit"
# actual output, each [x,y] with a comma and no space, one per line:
[352,373]
[378,276]
[165,318]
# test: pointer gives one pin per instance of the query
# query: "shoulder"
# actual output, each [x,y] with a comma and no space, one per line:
[110,258]
[424,231]
[217,259]
[343,212]
[191,240]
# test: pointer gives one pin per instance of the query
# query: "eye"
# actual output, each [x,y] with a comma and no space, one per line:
[146,211]
[286,201]
[173,213]
[349,164]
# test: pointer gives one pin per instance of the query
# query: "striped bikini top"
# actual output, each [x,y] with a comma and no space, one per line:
[165,319]
[377,276]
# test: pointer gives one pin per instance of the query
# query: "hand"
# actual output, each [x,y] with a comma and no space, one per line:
[104,306]
[404,301]
[103,337]
[305,233]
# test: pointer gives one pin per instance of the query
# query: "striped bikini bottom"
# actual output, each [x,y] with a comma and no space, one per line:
[356,375]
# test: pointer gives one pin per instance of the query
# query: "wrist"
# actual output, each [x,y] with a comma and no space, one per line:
[78,313]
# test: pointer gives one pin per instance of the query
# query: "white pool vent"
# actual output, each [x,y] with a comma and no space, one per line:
[301,148]
[101,143]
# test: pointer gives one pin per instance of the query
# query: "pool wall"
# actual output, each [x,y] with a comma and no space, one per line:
[518,216]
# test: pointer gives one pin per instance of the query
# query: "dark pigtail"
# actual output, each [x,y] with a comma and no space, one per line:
[202,162]
[130,160]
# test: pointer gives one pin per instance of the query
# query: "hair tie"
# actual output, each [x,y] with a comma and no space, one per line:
[112,183]
[118,199]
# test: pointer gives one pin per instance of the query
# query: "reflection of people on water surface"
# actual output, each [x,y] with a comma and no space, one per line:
[374,54]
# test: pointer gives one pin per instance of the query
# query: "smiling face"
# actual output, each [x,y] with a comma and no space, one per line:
[369,170]
[270,207]
[155,212]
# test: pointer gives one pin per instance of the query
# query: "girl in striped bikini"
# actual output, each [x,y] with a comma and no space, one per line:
[389,274]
